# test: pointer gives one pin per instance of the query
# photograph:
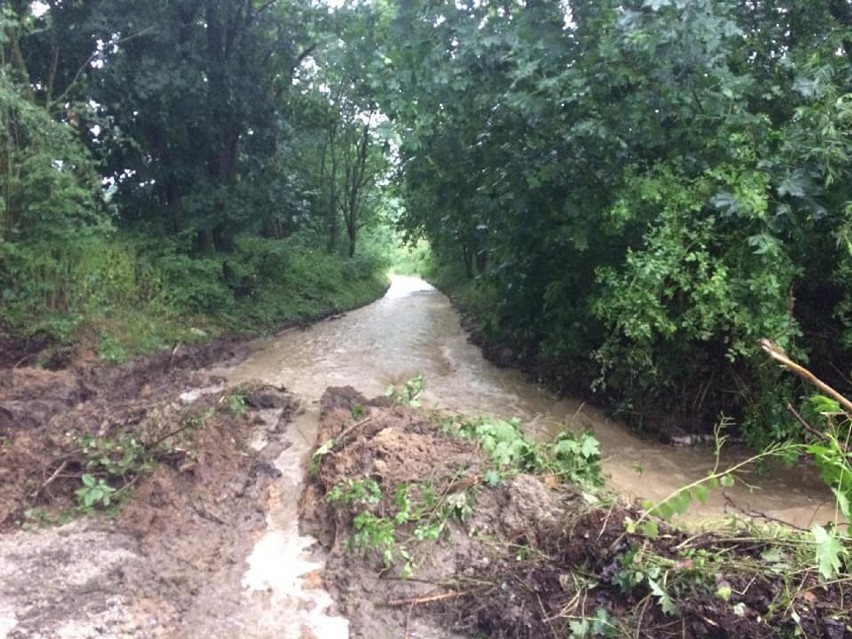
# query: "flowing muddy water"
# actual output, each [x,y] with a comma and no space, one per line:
[414,329]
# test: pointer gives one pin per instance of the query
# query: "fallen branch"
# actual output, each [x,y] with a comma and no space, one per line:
[756,514]
[778,354]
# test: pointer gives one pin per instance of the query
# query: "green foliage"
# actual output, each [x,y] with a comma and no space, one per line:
[569,457]
[600,624]
[378,534]
[236,403]
[194,157]
[355,492]
[414,513]
[95,492]
[410,392]
[35,518]
[122,455]
[641,191]
[114,462]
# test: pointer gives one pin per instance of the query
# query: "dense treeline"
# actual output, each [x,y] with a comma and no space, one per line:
[201,162]
[640,189]
[637,190]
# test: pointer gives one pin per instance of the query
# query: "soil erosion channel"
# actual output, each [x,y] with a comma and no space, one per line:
[414,329]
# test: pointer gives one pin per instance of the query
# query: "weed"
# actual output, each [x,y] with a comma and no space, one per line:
[410,393]
[570,458]
[416,513]
[324,449]
[355,492]
[121,455]
[94,492]
[111,350]
[601,624]
[35,518]
[236,403]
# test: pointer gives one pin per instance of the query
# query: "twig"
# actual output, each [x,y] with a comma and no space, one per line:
[425,600]
[408,621]
[544,617]
[813,431]
[50,479]
[183,427]
[349,429]
[22,360]
[776,353]
[756,514]
[175,349]
[51,101]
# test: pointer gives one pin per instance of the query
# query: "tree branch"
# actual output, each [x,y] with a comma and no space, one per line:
[778,354]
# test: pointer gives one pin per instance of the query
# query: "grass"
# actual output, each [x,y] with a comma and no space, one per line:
[127,298]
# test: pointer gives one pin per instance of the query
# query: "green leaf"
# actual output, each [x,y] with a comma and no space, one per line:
[699,492]
[650,529]
[668,606]
[829,551]
[589,447]
[842,503]
[492,478]
[825,405]
[323,449]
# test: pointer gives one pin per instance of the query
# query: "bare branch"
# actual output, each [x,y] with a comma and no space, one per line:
[778,354]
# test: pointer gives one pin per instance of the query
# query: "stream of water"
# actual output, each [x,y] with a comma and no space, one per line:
[413,329]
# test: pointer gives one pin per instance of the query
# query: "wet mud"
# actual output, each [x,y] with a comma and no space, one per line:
[530,558]
[169,560]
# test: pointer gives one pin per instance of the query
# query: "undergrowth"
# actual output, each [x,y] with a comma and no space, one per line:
[126,296]
[389,521]
[607,568]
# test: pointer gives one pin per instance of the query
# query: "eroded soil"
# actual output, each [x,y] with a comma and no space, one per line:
[527,557]
[196,548]
[171,560]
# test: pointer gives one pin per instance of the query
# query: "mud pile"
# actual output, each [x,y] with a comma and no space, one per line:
[419,529]
[190,509]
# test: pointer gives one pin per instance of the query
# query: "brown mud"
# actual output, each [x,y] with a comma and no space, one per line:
[532,558]
[169,561]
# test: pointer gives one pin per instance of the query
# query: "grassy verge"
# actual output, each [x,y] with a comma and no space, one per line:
[126,297]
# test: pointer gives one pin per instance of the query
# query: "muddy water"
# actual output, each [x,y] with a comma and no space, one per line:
[414,329]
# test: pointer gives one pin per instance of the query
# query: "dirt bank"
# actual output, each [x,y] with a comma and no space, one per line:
[190,470]
[420,528]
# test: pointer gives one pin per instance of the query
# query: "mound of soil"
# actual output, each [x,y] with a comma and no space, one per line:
[173,554]
[526,557]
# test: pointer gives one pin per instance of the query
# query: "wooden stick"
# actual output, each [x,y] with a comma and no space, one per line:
[781,357]
[424,600]
[349,429]
[50,479]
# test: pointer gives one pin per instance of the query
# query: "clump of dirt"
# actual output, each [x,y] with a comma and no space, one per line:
[191,501]
[526,557]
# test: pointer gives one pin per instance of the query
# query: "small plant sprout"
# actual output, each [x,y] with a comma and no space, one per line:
[94,492]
